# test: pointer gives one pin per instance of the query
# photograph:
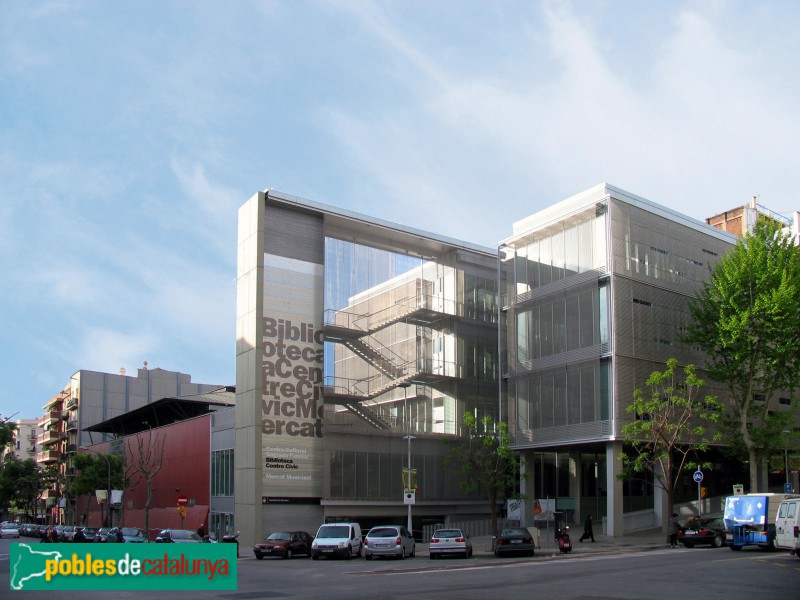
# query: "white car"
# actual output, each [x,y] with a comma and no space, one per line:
[9,530]
[450,542]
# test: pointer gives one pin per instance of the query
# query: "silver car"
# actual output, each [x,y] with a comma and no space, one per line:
[449,542]
[389,540]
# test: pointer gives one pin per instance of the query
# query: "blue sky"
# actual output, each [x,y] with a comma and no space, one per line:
[131,132]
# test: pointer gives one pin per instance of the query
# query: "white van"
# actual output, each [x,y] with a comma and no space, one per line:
[337,539]
[787,526]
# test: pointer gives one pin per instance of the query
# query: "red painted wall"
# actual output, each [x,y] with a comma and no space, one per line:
[185,471]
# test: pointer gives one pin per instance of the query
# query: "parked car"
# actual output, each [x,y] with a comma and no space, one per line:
[448,542]
[67,533]
[9,530]
[40,531]
[389,540]
[514,540]
[178,536]
[703,530]
[130,535]
[101,537]
[337,539]
[285,544]
[84,535]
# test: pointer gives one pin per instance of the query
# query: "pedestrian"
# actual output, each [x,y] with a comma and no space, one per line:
[674,528]
[588,532]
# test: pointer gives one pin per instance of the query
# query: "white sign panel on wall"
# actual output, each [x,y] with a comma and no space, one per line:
[291,399]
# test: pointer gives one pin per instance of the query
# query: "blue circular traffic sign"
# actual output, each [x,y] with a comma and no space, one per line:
[698,476]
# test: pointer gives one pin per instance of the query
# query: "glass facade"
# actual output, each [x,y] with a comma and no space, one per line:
[222,472]
[410,346]
[559,310]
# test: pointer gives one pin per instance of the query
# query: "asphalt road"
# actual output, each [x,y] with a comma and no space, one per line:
[656,574]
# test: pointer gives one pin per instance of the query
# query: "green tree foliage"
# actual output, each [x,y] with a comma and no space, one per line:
[21,483]
[747,321]
[96,472]
[484,461]
[671,424]
[7,431]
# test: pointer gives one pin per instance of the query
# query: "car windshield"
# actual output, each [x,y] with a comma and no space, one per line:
[334,531]
[280,535]
[131,532]
[181,534]
[513,531]
[448,533]
[383,532]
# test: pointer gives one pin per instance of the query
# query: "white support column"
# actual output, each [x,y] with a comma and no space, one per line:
[614,515]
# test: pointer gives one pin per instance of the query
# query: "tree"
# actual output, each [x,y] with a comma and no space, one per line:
[7,432]
[746,319]
[670,425]
[21,484]
[145,464]
[484,460]
[95,472]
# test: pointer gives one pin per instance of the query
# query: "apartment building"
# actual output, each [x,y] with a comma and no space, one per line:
[91,397]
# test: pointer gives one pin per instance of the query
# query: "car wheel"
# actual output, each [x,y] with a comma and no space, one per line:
[359,551]
[531,553]
[797,553]
[402,553]
[688,544]
[497,553]
[432,556]
[314,557]
[413,552]
[259,556]
[717,541]
[469,553]
[288,553]
[349,554]
[368,556]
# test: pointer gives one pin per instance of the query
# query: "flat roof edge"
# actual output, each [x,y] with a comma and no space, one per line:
[304,203]
[600,192]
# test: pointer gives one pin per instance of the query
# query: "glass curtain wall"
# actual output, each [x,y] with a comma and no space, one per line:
[393,319]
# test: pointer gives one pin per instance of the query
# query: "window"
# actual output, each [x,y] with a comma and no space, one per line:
[222,472]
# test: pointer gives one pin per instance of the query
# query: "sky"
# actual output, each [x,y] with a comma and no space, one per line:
[131,132]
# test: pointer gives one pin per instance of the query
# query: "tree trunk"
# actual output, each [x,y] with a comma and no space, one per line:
[751,454]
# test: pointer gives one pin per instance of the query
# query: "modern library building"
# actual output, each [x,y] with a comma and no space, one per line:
[361,345]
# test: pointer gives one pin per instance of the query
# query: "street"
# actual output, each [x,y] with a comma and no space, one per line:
[656,574]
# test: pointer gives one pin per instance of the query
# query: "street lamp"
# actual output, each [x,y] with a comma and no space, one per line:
[405,385]
[786,459]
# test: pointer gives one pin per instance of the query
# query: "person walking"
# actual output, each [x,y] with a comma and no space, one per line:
[588,532]
[674,528]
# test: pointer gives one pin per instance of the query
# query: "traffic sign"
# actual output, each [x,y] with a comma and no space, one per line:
[698,476]
[410,496]
[183,500]
[787,488]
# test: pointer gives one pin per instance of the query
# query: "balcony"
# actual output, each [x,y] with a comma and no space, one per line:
[72,403]
[72,424]
[48,456]
[49,437]
[49,494]
[53,415]
[72,447]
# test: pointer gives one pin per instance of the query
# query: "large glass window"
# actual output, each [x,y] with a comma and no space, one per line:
[222,472]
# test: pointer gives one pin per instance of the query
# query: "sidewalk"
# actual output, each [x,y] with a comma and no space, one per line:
[652,539]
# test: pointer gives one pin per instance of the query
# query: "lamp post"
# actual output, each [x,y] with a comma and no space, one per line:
[786,458]
[405,385]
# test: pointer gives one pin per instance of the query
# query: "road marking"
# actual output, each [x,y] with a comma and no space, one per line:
[549,561]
